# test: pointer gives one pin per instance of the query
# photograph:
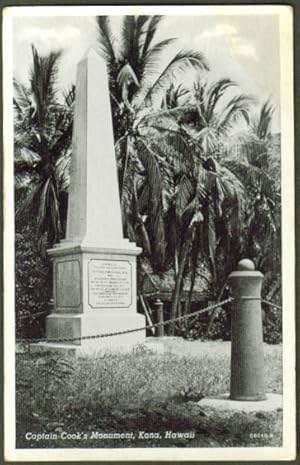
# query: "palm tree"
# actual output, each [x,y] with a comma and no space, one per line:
[206,207]
[201,201]
[177,193]
[134,66]
[136,86]
[134,74]
[257,165]
[42,136]
[257,161]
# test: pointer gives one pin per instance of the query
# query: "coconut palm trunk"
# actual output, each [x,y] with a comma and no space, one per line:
[176,298]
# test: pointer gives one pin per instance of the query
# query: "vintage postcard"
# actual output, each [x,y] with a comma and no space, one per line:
[149,233]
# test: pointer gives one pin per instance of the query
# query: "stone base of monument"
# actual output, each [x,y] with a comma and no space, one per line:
[222,402]
[94,292]
[66,326]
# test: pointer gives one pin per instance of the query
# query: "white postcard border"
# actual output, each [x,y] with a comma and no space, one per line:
[288,248]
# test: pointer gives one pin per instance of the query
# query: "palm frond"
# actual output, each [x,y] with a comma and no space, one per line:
[62,171]
[55,228]
[208,140]
[190,210]
[205,183]
[42,211]
[141,20]
[215,92]
[245,172]
[150,33]
[169,117]
[43,76]
[127,75]
[231,185]
[175,149]
[24,157]
[22,182]
[125,79]
[60,135]
[130,44]
[150,60]
[172,95]
[263,126]
[69,96]
[48,216]
[28,204]
[106,41]
[155,201]
[143,198]
[181,61]
[22,94]
[183,196]
[238,106]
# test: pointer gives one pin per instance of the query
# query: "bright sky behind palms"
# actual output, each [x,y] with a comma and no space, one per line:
[244,48]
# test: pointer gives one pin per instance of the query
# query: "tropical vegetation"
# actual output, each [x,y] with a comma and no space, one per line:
[42,136]
[199,168]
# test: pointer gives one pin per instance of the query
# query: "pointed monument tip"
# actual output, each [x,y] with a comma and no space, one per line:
[92,53]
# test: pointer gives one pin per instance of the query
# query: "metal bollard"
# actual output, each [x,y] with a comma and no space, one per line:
[160,317]
[247,357]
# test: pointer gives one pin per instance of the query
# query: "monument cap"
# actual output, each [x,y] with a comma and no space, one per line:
[91,53]
[246,265]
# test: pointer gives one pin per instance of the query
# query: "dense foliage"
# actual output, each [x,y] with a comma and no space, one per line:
[199,168]
[33,284]
[42,137]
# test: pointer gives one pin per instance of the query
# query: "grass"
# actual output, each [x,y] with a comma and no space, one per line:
[132,393]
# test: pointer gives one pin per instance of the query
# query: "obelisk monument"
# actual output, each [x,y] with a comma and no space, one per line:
[94,268]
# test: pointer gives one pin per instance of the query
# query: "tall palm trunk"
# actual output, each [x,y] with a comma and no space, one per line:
[192,284]
[195,254]
[179,279]
[125,157]
[214,312]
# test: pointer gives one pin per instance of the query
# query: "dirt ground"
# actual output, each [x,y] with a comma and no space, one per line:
[183,347]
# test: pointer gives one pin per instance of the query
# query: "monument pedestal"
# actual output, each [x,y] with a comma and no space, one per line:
[94,292]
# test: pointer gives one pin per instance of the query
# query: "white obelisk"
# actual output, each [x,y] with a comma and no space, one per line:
[94,268]
[94,214]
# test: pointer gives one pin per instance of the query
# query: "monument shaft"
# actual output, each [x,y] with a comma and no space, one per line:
[94,214]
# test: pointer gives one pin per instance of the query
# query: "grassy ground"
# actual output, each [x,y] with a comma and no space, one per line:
[79,403]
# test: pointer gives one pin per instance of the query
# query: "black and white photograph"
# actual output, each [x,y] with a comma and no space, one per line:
[149,257]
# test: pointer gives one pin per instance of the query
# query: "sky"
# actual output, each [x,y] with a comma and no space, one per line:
[244,48]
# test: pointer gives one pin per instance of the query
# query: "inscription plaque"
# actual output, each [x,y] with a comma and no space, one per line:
[109,283]
[67,284]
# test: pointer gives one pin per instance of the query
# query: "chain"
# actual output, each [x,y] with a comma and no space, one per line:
[119,333]
[24,317]
[128,331]
[271,304]
[247,297]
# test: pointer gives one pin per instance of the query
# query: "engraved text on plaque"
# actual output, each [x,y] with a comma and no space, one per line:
[109,283]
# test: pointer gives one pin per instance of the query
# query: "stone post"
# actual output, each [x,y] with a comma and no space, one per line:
[247,357]
[160,317]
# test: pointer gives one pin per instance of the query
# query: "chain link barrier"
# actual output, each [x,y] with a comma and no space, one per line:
[31,317]
[127,331]
[271,304]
